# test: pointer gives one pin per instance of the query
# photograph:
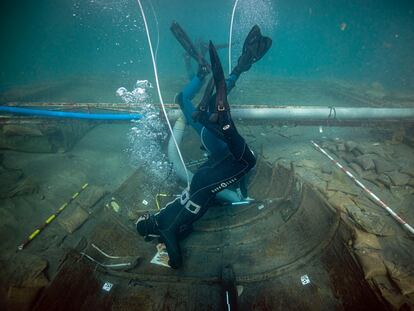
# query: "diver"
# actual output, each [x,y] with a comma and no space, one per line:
[229,156]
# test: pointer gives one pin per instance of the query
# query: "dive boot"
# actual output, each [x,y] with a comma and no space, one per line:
[254,48]
[189,47]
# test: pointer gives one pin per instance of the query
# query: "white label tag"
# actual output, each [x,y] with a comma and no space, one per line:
[305,279]
[107,286]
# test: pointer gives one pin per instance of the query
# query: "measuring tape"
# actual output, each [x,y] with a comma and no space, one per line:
[50,219]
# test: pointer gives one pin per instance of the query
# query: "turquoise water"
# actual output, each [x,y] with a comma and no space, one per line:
[45,40]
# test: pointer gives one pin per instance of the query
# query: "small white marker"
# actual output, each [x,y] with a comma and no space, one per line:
[145,202]
[260,207]
[107,286]
[305,279]
[320,129]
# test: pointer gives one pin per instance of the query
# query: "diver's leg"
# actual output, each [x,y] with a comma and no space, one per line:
[231,82]
[184,98]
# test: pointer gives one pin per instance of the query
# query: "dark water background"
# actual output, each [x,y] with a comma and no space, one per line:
[48,40]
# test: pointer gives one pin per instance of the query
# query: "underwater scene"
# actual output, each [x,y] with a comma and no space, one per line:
[207,155]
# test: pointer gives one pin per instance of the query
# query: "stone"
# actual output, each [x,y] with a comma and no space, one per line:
[356,168]
[340,147]
[308,164]
[398,179]
[385,180]
[341,202]
[371,263]
[364,240]
[348,158]
[382,165]
[350,145]
[388,291]
[407,167]
[349,188]
[402,276]
[326,169]
[365,161]
[371,223]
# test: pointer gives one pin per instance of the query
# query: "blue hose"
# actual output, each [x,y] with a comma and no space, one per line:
[72,115]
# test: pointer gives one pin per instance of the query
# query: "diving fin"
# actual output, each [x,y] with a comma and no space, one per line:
[222,107]
[189,47]
[254,48]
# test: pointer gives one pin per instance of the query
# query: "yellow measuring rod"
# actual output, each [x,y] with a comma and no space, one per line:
[50,219]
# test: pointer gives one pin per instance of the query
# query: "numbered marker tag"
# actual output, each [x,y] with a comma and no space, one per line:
[107,286]
[305,279]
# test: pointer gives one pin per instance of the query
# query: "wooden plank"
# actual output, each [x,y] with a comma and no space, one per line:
[75,287]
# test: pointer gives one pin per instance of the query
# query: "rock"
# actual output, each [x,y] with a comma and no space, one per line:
[326,169]
[385,180]
[408,169]
[365,161]
[308,164]
[349,188]
[372,223]
[371,263]
[350,145]
[398,179]
[388,291]
[348,158]
[360,149]
[365,240]
[371,177]
[402,276]
[382,165]
[341,202]
[340,147]
[356,168]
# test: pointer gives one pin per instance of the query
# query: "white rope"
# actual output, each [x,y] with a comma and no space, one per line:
[231,33]
[158,29]
[159,91]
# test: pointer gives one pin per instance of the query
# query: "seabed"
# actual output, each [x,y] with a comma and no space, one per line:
[311,240]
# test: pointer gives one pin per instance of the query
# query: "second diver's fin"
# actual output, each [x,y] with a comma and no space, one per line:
[254,48]
[189,47]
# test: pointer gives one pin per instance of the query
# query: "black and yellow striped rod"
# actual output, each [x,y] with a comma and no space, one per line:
[50,219]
